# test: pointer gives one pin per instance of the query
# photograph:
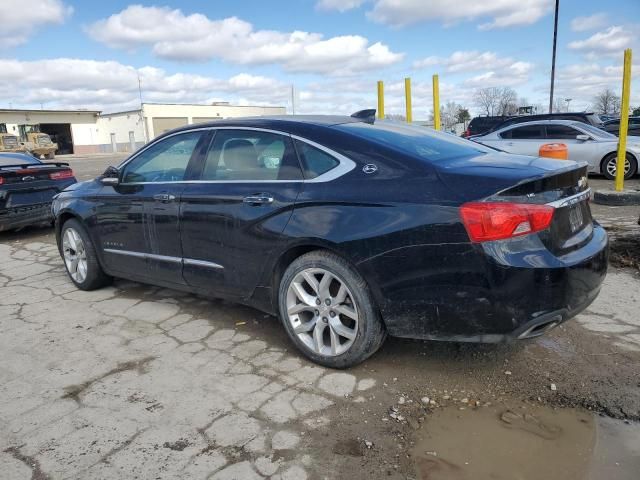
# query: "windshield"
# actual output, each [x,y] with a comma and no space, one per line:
[596,131]
[421,142]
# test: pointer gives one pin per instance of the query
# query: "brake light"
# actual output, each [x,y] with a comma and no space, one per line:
[1,180]
[486,221]
[60,175]
[467,133]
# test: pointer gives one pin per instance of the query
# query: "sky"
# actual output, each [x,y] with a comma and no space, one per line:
[330,53]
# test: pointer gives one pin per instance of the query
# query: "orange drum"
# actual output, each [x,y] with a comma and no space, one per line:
[554,150]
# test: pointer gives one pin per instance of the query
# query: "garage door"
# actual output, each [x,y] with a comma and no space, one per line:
[205,119]
[162,124]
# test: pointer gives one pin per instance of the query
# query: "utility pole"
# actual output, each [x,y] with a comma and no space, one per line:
[553,58]
[568,100]
[139,89]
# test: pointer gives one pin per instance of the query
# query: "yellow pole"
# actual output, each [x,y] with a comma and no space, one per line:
[380,99]
[436,103]
[624,120]
[407,99]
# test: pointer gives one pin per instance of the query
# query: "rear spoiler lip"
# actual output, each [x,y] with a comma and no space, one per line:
[37,165]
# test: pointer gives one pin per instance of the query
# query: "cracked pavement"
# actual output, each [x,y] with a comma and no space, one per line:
[147,381]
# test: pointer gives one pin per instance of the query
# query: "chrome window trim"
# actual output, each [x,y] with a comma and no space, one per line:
[164,258]
[345,164]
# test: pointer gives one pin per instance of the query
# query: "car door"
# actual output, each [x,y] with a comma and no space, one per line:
[523,140]
[138,220]
[233,217]
[580,150]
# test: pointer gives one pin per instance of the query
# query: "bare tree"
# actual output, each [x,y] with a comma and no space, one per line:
[487,99]
[508,101]
[496,100]
[606,102]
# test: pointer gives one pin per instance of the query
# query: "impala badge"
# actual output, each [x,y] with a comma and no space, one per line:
[28,178]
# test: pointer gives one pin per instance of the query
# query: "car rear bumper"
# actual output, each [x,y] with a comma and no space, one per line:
[25,215]
[492,301]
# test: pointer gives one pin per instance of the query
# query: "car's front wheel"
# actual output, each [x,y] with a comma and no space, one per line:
[609,166]
[80,257]
[328,310]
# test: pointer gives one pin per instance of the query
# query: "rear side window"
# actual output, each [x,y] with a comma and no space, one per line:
[6,160]
[561,132]
[315,162]
[250,155]
[529,132]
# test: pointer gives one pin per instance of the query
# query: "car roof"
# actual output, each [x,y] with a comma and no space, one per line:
[18,156]
[543,122]
[276,122]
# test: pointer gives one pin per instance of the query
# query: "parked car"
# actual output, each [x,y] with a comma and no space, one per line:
[613,126]
[583,117]
[347,229]
[481,125]
[585,142]
[27,187]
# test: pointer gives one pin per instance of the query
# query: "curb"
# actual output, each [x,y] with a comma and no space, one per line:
[611,197]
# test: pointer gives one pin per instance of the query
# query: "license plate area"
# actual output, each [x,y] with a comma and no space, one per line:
[576,217]
[29,198]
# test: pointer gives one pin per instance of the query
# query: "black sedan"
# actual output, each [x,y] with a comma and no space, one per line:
[613,126]
[346,228]
[27,186]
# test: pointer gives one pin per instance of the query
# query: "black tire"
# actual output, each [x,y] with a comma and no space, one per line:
[370,330]
[633,166]
[95,277]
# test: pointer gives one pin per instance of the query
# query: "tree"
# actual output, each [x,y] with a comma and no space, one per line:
[463,115]
[606,102]
[496,100]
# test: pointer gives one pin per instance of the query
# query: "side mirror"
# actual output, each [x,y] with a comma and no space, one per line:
[111,176]
[583,138]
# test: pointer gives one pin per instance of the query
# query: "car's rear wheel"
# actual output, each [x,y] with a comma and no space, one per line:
[80,258]
[328,310]
[609,166]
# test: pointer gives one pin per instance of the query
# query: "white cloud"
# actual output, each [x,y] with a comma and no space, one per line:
[339,5]
[611,41]
[591,22]
[175,36]
[110,85]
[20,18]
[502,13]
[472,60]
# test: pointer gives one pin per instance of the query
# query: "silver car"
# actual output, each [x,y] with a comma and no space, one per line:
[584,142]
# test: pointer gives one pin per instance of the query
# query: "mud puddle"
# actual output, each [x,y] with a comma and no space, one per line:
[519,443]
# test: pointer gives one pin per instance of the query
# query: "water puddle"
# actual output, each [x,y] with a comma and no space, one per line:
[518,443]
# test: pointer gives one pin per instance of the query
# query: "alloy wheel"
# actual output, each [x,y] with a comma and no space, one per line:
[322,312]
[612,166]
[75,256]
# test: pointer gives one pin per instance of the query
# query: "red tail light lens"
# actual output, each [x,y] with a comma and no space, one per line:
[486,221]
[60,175]
[1,180]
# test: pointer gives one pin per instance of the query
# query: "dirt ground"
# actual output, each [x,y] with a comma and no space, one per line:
[135,381]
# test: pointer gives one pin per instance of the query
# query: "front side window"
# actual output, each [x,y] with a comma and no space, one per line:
[561,132]
[315,162]
[165,161]
[529,132]
[250,155]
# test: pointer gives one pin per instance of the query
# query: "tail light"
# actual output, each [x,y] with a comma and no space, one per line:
[1,180]
[467,133]
[60,175]
[486,221]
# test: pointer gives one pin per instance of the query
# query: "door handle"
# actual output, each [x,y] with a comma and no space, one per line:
[164,197]
[258,199]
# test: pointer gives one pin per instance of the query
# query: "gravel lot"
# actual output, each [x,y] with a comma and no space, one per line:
[135,381]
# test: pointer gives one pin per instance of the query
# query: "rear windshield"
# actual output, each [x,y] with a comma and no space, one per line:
[420,142]
[7,159]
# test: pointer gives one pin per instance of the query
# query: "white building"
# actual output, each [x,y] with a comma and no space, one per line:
[85,132]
